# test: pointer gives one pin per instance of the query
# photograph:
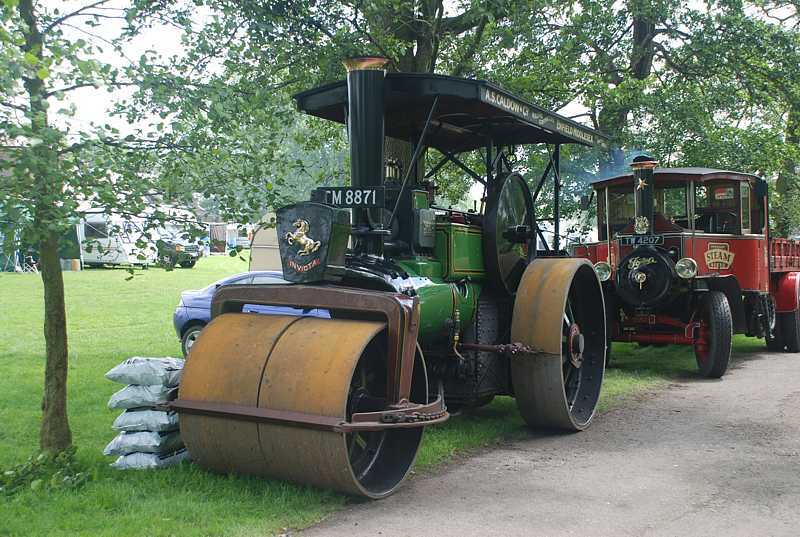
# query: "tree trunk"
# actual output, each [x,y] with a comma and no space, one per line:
[613,117]
[55,435]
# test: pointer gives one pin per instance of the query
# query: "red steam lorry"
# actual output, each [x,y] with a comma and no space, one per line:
[686,257]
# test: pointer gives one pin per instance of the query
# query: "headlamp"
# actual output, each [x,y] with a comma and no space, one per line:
[686,268]
[603,270]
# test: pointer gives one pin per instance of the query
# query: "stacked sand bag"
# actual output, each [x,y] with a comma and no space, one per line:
[148,434]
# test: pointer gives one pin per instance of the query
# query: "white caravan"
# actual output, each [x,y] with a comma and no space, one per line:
[111,240]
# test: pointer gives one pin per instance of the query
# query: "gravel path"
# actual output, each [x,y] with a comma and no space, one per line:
[700,458]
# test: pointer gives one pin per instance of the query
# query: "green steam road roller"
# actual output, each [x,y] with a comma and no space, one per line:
[430,308]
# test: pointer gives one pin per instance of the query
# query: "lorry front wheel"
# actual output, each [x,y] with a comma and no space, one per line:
[713,345]
[188,263]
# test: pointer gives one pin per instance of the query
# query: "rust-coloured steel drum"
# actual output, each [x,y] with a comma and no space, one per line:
[558,310]
[324,367]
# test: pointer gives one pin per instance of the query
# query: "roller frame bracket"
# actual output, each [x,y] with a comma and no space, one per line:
[404,417]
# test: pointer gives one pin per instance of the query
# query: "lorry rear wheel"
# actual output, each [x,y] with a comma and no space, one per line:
[790,330]
[713,347]
[772,328]
[775,342]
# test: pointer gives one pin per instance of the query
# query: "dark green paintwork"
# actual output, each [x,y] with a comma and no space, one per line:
[421,199]
[460,249]
[437,298]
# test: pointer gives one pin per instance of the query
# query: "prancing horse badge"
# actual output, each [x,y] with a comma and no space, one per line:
[307,245]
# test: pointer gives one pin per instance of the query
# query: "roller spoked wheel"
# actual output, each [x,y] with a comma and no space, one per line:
[713,346]
[559,311]
[367,450]
[324,367]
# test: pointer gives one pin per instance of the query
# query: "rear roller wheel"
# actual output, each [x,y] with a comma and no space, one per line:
[324,367]
[559,311]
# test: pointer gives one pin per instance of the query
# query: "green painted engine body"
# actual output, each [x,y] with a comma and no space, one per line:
[448,283]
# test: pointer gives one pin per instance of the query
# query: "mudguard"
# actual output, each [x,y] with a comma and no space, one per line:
[729,285]
[786,292]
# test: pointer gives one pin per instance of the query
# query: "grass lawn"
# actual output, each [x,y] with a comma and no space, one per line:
[111,319]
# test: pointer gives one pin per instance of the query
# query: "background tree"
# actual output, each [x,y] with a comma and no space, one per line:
[52,165]
[45,173]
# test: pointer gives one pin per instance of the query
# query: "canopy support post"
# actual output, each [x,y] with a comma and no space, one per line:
[556,196]
[489,175]
[542,179]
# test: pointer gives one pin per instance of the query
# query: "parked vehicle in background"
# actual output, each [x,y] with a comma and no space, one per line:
[175,248]
[244,237]
[111,239]
[176,245]
[264,252]
[172,253]
[686,257]
[194,309]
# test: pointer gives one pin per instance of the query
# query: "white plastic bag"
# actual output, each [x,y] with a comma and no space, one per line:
[134,396]
[145,442]
[146,420]
[149,460]
[147,371]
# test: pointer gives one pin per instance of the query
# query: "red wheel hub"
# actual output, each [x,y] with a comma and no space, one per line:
[575,345]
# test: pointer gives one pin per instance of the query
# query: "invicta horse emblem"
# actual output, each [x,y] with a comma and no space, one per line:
[307,245]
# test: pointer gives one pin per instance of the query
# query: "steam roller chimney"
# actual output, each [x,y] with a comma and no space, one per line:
[365,129]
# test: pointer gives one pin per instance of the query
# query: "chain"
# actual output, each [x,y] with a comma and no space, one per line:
[412,417]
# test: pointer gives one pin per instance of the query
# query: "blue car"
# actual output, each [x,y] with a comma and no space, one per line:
[194,310]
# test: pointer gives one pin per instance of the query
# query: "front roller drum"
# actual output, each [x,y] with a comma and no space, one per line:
[329,368]
[559,312]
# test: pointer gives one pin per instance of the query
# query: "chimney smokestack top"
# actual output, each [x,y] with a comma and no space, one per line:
[365,63]
[644,162]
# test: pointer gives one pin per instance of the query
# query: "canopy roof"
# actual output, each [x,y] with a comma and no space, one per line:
[469,113]
[680,174]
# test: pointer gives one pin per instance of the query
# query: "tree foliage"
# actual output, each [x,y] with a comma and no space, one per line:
[694,84]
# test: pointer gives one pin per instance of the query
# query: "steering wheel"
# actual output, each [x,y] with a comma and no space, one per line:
[704,221]
[723,220]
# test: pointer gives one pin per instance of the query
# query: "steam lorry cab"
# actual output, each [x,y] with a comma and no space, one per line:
[686,257]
